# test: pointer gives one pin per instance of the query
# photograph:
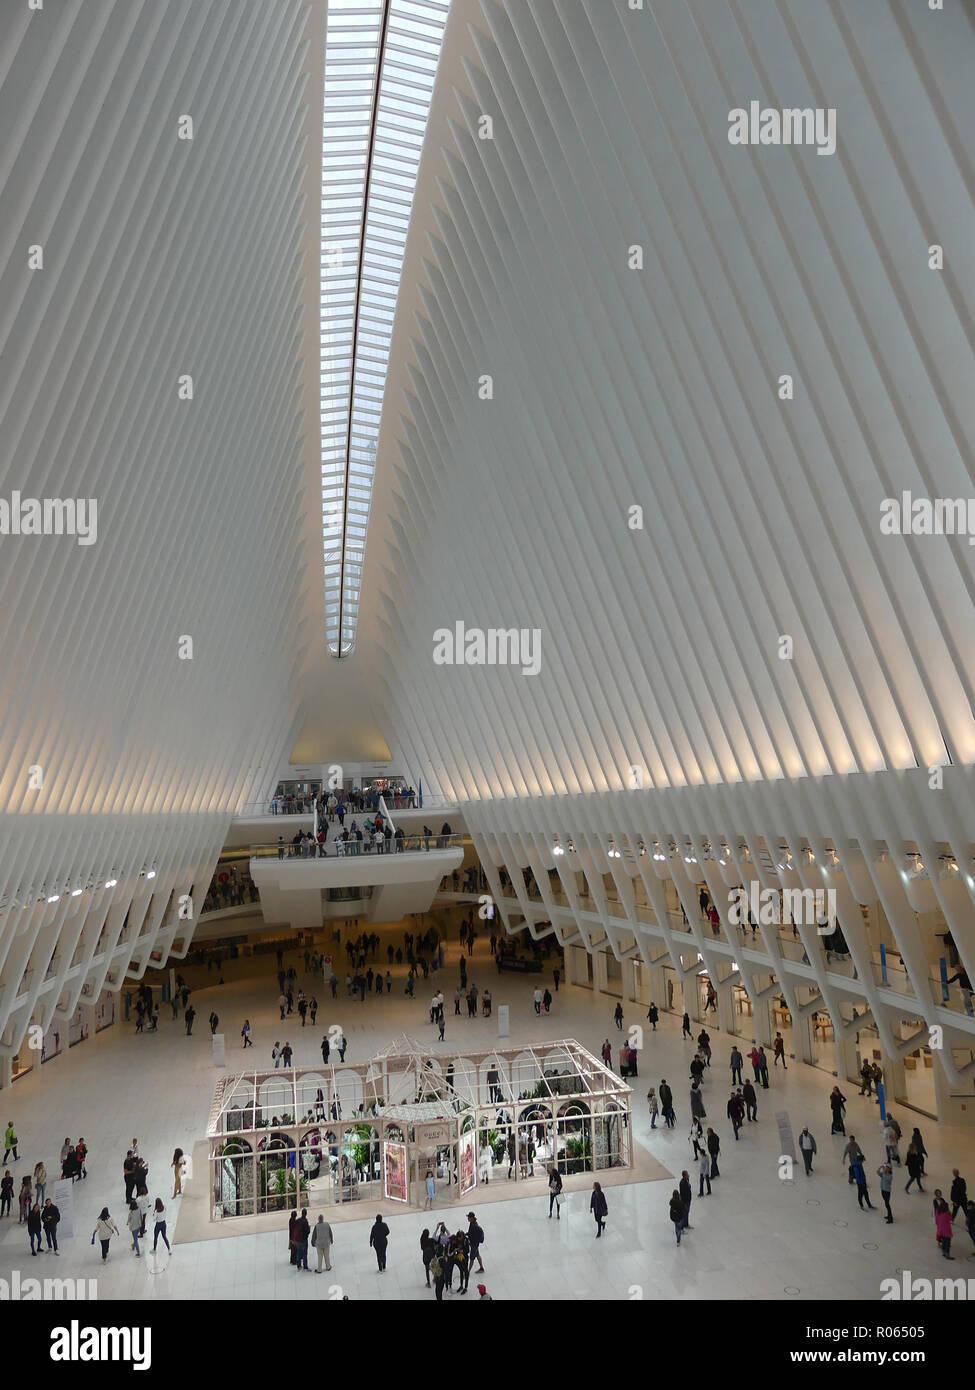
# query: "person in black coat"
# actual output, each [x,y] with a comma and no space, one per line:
[837,1103]
[50,1216]
[554,1190]
[686,1196]
[667,1104]
[750,1097]
[653,1014]
[959,1193]
[598,1207]
[677,1213]
[714,1146]
[378,1238]
[915,1167]
[34,1229]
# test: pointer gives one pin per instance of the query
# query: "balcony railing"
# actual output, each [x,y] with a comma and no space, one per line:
[348,849]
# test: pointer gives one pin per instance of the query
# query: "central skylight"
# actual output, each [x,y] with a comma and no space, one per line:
[380,63]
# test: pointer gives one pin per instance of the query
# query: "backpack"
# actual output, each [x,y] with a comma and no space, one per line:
[436,1267]
[479,1234]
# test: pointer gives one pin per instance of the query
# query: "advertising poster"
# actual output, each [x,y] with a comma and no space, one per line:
[468,1163]
[396,1172]
[63,1198]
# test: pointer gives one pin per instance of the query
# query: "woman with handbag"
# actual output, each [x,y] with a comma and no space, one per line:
[554,1193]
[105,1228]
[599,1207]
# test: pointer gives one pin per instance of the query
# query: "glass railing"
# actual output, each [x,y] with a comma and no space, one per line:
[349,849]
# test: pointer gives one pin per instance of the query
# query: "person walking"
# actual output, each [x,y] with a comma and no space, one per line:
[10,1142]
[667,1105]
[159,1226]
[714,1148]
[750,1096]
[778,1048]
[617,1015]
[177,1167]
[213,1021]
[554,1192]
[475,1239]
[378,1239]
[34,1229]
[970,1224]
[698,1111]
[958,1196]
[736,1065]
[686,1196]
[245,1033]
[807,1147]
[653,1014]
[50,1217]
[133,1221]
[654,1107]
[919,1143]
[677,1213]
[302,1232]
[537,998]
[736,1112]
[428,1248]
[837,1103]
[763,1067]
[40,1182]
[686,1033]
[851,1154]
[6,1193]
[438,1268]
[942,1227]
[704,1170]
[598,1207]
[890,1142]
[105,1228]
[189,1016]
[24,1199]
[886,1175]
[860,1178]
[915,1167]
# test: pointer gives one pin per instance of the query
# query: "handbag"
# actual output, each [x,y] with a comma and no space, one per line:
[558,1199]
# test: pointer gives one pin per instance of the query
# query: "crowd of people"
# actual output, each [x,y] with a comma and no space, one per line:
[334,804]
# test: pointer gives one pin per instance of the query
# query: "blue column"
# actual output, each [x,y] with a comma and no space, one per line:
[881,1096]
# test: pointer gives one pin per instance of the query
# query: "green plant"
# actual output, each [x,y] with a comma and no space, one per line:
[578,1152]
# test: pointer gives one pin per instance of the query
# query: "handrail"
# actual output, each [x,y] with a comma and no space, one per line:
[353,849]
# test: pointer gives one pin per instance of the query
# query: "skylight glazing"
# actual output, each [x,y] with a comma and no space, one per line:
[380,63]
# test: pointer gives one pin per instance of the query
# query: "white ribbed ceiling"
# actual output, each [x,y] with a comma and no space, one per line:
[162,258]
[658,387]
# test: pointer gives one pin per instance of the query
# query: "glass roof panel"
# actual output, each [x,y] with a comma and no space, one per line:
[373,129]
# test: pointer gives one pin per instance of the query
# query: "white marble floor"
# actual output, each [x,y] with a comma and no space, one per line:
[755,1237]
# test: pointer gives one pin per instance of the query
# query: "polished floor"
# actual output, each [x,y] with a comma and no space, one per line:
[756,1237]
